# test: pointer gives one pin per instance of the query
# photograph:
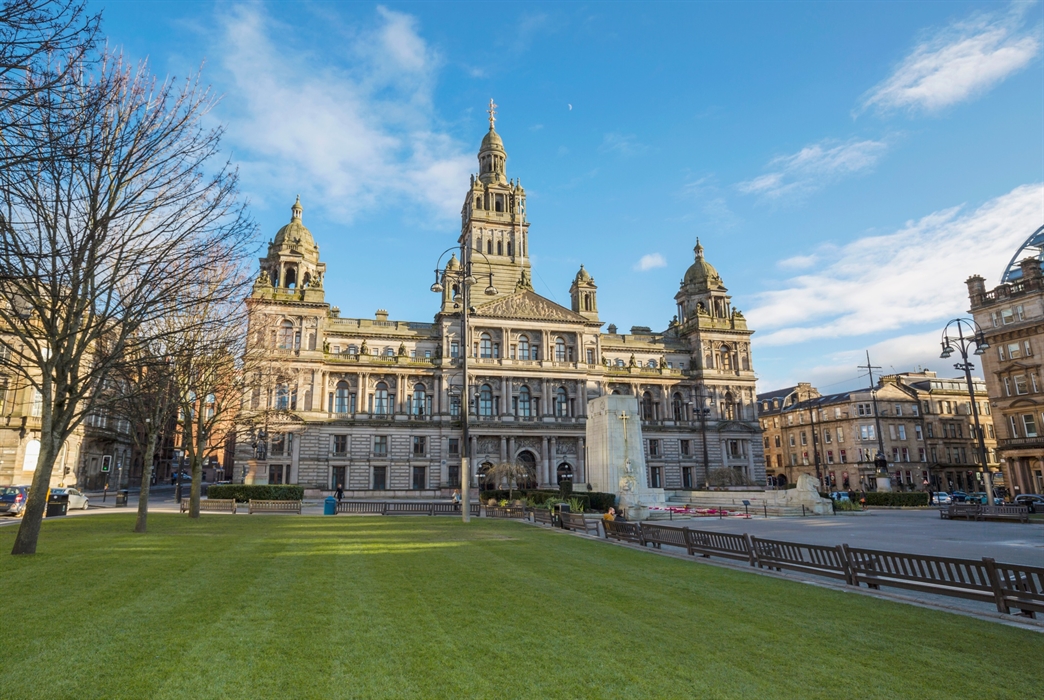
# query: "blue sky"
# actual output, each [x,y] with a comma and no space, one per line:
[846,165]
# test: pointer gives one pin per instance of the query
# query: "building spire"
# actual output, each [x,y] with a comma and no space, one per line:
[492,113]
[698,249]
[297,209]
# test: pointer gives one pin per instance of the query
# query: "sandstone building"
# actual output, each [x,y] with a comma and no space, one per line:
[1011,317]
[923,421]
[374,403]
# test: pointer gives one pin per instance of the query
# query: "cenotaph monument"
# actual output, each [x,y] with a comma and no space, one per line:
[616,454]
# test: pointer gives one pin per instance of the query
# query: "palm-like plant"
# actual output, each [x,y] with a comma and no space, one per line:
[512,472]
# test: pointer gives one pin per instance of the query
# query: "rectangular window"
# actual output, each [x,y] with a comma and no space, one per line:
[895,454]
[1000,353]
[915,409]
[804,438]
[380,446]
[684,446]
[454,405]
[340,444]
[921,455]
[906,454]
[36,407]
[590,356]
[891,431]
[1007,316]
[454,446]
[337,475]
[918,433]
[1029,424]
[380,478]
[844,457]
[840,434]
[419,445]
[792,442]
[931,429]
[1018,313]
[1014,426]
[419,480]
[898,409]
[827,437]
[837,412]
[1020,384]
[656,477]
[1007,386]
[830,456]
[902,432]
[454,349]
[1027,349]
[1014,351]
[654,448]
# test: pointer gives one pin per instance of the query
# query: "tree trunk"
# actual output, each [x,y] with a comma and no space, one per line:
[197,487]
[32,516]
[146,484]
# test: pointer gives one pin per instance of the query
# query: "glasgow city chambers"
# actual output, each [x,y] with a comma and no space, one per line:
[375,404]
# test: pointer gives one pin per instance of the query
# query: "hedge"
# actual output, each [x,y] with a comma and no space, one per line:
[593,500]
[257,492]
[892,498]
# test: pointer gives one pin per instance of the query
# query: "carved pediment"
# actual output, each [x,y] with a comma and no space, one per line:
[529,306]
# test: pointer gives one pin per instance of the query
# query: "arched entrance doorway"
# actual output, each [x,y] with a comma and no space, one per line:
[565,472]
[485,481]
[528,460]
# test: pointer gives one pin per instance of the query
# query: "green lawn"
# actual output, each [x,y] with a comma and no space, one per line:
[369,607]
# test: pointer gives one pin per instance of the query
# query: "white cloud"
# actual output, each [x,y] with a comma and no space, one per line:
[889,282]
[624,144]
[813,167]
[353,130]
[958,63]
[650,261]
[798,262]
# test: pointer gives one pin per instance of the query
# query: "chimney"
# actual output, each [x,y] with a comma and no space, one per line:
[1030,268]
[381,315]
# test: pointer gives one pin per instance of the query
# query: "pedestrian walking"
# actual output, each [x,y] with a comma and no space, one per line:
[340,492]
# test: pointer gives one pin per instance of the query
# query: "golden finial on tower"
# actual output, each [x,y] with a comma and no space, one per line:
[492,113]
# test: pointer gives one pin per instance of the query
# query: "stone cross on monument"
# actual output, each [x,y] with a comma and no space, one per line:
[492,113]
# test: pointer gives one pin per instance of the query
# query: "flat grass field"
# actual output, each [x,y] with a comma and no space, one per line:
[272,606]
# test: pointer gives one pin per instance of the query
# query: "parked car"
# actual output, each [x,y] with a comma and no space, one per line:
[959,496]
[1034,500]
[839,495]
[12,499]
[77,501]
[942,498]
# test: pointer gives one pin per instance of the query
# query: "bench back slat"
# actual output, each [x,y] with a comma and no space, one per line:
[817,559]
[658,534]
[1018,586]
[273,506]
[965,578]
[623,531]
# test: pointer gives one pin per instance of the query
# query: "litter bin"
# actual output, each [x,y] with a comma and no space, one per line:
[57,504]
[330,506]
[121,497]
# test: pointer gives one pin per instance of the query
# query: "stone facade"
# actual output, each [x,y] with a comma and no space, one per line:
[375,403]
[1011,317]
[925,423]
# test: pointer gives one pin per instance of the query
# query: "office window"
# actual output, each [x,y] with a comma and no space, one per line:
[654,448]
[419,445]
[684,447]
[380,446]
[454,446]
[1029,424]
[340,444]
[902,432]
[1020,384]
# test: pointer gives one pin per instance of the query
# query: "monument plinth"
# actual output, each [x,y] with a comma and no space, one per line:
[616,454]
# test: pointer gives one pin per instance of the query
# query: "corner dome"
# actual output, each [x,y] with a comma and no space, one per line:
[583,276]
[492,142]
[701,273]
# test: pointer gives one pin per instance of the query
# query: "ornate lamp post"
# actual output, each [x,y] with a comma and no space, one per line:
[461,279]
[968,333]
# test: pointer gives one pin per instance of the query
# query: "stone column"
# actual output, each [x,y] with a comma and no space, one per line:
[553,454]
[505,396]
[581,471]
[511,448]
[361,399]
[750,459]
[503,448]
[724,454]
[545,476]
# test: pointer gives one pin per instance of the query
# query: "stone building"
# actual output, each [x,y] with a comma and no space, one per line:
[923,422]
[1011,317]
[100,451]
[374,403]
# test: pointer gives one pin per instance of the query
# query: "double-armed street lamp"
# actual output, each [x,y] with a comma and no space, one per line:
[460,279]
[968,334]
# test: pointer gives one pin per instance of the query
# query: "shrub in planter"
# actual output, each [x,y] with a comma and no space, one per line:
[257,492]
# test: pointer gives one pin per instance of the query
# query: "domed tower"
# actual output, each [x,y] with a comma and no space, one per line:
[583,294]
[494,230]
[292,265]
[702,291]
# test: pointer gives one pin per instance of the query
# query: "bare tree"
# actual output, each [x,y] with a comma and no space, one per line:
[145,396]
[109,228]
[514,473]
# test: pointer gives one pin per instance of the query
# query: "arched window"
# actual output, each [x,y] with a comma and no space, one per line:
[652,364]
[478,202]
[678,407]
[561,402]
[419,395]
[352,350]
[341,397]
[291,277]
[619,362]
[389,352]
[523,347]
[560,350]
[489,247]
[485,345]
[564,472]
[729,407]
[485,400]
[381,404]
[587,302]
[500,244]
[525,402]
[286,335]
[511,249]
[726,357]
[647,406]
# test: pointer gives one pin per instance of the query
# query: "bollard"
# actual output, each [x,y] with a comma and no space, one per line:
[766,509]
[802,510]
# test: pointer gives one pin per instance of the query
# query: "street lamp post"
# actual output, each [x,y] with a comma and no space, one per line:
[461,278]
[703,411]
[962,343]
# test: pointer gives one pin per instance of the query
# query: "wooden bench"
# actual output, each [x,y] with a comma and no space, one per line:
[960,510]
[544,517]
[1020,513]
[576,522]
[816,559]
[221,505]
[1018,586]
[961,578]
[719,544]
[407,508]
[273,507]
[623,531]
[657,535]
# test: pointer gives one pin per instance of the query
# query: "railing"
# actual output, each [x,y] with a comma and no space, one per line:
[404,508]
[985,580]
